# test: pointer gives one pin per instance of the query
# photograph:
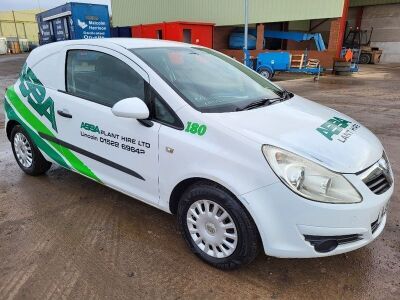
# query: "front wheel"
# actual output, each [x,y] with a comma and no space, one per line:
[216,227]
[27,155]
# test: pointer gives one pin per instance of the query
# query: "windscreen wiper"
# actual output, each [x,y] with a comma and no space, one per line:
[286,94]
[259,103]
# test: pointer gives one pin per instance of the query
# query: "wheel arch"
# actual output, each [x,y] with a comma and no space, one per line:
[180,188]
[9,127]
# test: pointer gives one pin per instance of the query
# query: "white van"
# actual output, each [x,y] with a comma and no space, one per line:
[244,164]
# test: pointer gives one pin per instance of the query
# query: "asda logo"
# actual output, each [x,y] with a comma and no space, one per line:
[90,127]
[333,127]
[31,88]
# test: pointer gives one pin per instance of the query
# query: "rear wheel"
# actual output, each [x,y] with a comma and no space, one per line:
[266,73]
[365,58]
[216,227]
[27,155]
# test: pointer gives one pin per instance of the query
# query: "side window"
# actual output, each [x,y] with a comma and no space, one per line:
[162,113]
[101,78]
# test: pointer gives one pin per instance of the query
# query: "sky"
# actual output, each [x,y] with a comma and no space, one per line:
[44,4]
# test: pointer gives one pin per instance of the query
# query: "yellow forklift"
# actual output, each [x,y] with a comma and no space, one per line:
[359,39]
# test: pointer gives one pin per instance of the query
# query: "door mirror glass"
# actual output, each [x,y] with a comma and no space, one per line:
[133,108]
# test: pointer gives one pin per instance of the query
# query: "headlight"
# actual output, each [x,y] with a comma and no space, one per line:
[309,179]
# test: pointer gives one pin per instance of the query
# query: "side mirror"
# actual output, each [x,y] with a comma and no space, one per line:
[133,108]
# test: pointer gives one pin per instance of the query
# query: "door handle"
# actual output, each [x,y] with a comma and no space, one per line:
[64,114]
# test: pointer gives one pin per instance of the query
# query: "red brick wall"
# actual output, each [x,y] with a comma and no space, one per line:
[293,45]
[337,30]
[221,36]
[334,35]
[260,37]
[325,57]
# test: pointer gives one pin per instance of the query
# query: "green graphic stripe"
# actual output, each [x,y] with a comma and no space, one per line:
[72,159]
[35,137]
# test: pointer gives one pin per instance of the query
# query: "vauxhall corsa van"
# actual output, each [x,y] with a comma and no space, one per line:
[245,165]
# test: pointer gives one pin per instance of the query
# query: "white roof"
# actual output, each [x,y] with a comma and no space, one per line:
[128,43]
[41,52]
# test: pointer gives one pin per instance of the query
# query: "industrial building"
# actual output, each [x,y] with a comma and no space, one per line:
[333,19]
[20,23]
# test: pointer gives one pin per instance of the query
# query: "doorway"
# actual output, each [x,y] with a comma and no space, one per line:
[187,36]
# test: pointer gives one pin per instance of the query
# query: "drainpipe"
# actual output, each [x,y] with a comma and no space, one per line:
[342,27]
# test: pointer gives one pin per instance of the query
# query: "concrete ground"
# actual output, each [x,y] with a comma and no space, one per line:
[64,236]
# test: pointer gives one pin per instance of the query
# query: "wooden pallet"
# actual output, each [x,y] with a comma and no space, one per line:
[297,61]
[313,63]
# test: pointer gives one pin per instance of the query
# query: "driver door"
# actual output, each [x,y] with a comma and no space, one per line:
[119,152]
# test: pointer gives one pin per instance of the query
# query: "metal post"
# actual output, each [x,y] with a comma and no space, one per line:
[246,31]
[246,22]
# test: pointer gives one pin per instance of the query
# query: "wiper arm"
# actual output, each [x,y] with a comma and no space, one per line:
[259,103]
[286,94]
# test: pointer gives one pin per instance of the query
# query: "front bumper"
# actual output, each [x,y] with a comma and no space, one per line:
[289,224]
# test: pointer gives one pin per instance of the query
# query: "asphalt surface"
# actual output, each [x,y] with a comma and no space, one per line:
[64,236]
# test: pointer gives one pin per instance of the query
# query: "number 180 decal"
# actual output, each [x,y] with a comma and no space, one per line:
[196,128]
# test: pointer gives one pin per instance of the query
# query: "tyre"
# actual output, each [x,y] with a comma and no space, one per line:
[266,73]
[365,58]
[342,69]
[27,155]
[343,73]
[216,227]
[342,64]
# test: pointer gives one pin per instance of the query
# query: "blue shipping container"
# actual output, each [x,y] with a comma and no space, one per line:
[73,21]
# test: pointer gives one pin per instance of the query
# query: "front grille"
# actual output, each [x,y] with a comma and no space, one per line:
[379,184]
[378,177]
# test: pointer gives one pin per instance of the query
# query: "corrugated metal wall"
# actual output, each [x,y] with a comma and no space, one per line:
[385,19]
[26,24]
[221,12]
[371,2]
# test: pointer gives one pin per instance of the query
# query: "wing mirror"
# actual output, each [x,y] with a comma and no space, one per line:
[133,108]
